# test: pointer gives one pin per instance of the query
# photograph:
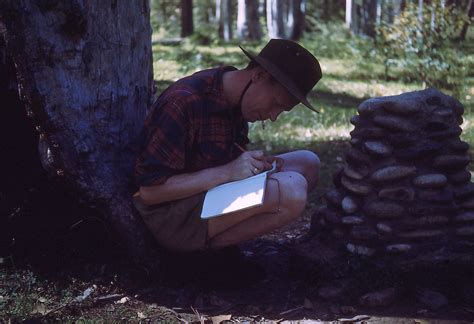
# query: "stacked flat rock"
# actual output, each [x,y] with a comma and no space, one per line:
[405,186]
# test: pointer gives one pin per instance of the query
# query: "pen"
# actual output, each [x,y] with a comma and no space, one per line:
[239,147]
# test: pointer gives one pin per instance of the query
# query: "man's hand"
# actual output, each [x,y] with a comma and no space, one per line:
[248,164]
[279,162]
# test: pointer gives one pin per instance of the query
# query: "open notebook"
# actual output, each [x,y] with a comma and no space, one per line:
[236,195]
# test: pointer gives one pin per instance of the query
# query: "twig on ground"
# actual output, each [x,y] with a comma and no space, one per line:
[292,310]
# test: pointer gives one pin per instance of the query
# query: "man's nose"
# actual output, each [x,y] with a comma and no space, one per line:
[274,115]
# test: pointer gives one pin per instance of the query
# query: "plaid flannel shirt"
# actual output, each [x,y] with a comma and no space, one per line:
[190,127]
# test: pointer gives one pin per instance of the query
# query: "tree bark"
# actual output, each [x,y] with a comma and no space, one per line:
[224,17]
[187,27]
[248,23]
[84,71]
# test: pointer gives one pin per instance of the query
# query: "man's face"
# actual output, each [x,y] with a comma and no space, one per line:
[266,98]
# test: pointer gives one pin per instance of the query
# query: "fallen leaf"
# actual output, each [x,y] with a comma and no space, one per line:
[39,309]
[141,315]
[42,300]
[85,294]
[122,300]
[220,318]
[357,318]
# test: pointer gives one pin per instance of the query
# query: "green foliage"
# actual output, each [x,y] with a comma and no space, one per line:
[165,17]
[331,40]
[423,47]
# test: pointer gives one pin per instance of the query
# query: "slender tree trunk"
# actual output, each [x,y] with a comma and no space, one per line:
[470,13]
[364,17]
[224,17]
[285,19]
[275,18]
[299,19]
[349,14]
[248,23]
[84,69]
[187,27]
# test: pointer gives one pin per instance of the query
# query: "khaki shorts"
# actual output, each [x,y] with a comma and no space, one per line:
[176,225]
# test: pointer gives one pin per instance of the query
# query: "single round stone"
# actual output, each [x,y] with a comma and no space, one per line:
[349,205]
[359,249]
[363,233]
[355,187]
[355,174]
[355,120]
[394,123]
[451,161]
[398,247]
[384,228]
[391,173]
[421,234]
[368,107]
[402,107]
[378,148]
[435,180]
[352,220]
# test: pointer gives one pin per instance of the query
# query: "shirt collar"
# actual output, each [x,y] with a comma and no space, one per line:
[217,89]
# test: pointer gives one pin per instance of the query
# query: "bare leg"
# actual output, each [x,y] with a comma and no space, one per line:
[285,200]
[304,162]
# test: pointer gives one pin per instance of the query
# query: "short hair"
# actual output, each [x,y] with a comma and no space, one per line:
[252,65]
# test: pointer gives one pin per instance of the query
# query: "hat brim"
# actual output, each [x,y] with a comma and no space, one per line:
[275,72]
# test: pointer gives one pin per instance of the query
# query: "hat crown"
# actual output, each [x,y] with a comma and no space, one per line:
[294,61]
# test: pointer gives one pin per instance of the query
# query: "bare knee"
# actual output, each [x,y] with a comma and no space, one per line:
[311,167]
[294,188]
[305,162]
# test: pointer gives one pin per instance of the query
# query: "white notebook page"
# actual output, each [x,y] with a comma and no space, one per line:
[235,195]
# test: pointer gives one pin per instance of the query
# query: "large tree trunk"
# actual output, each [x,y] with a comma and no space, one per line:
[224,17]
[248,24]
[187,26]
[84,71]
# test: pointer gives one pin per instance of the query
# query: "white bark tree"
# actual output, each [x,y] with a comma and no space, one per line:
[248,23]
[224,17]
[285,18]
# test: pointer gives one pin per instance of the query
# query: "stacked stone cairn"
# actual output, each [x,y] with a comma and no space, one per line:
[405,187]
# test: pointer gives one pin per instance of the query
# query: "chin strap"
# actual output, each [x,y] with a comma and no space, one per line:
[243,93]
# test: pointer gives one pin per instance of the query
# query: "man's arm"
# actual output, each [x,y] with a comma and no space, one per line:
[188,184]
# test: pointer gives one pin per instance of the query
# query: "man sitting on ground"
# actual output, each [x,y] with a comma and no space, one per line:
[191,143]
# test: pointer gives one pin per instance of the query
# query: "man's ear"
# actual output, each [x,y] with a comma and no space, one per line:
[259,74]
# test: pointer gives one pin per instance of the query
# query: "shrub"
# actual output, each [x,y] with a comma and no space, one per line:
[423,48]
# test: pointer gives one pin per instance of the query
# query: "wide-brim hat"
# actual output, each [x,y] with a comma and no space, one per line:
[291,65]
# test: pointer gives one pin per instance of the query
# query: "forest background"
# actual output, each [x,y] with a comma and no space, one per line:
[367,48]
